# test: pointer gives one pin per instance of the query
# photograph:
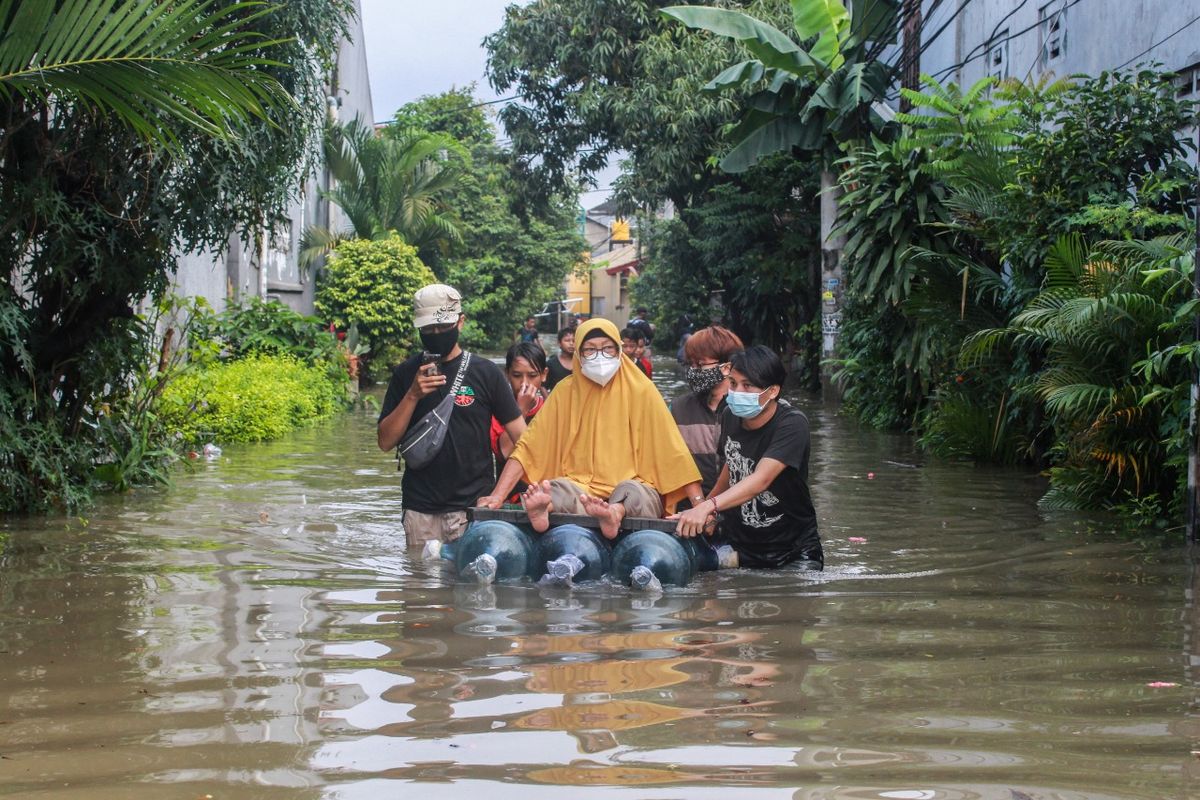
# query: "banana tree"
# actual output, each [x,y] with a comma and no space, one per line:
[812,98]
[818,95]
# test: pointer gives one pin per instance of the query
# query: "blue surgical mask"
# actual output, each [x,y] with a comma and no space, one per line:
[744,404]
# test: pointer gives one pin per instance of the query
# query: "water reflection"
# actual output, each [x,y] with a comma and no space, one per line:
[566,673]
[259,632]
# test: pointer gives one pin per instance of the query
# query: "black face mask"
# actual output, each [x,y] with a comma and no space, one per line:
[441,343]
[703,381]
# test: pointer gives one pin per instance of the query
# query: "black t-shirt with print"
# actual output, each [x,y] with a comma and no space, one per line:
[779,525]
[463,471]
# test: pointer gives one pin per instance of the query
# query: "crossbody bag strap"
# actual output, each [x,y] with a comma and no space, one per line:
[462,372]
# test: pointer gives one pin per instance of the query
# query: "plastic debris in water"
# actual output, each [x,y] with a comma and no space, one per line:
[1162,684]
[857,539]
[211,451]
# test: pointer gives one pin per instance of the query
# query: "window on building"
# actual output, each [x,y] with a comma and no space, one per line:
[1052,29]
[1186,81]
[997,55]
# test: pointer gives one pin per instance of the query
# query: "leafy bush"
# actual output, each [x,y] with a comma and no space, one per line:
[267,327]
[370,283]
[1113,330]
[249,400]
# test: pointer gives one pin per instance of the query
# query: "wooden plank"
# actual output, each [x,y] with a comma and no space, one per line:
[517,516]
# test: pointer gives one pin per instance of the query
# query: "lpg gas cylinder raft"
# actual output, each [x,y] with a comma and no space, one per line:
[571,553]
[645,558]
[494,551]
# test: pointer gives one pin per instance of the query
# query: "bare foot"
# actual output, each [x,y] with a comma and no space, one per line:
[609,515]
[537,505]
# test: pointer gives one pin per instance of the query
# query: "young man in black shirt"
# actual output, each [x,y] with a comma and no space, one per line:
[761,494]
[436,496]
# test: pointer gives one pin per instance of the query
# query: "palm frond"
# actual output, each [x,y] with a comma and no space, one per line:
[194,62]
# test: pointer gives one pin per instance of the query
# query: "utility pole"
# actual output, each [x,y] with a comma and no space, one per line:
[1193,502]
[910,59]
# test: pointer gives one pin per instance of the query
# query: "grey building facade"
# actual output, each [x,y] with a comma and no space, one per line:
[271,269]
[965,40]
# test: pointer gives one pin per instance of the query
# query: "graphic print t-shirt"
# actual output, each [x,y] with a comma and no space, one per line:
[462,471]
[779,525]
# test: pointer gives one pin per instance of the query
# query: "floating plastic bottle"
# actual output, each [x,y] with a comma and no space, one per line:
[648,560]
[493,551]
[572,553]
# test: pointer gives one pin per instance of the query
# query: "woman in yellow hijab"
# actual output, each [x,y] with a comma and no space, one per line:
[604,444]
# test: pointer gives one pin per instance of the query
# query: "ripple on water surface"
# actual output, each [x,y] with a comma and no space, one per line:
[259,631]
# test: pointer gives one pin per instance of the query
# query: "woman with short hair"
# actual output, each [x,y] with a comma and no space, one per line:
[698,412]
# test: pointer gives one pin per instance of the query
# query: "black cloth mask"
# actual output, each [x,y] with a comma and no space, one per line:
[440,343]
[703,381]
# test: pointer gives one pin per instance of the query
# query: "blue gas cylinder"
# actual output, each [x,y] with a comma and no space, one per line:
[494,551]
[591,554]
[646,557]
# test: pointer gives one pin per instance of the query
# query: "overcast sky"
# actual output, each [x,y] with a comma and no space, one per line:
[419,47]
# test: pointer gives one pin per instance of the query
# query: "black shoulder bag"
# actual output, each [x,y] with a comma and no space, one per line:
[424,440]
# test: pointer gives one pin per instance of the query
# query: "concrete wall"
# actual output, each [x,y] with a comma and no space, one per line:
[272,269]
[1010,38]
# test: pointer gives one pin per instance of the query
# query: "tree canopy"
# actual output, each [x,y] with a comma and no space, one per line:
[97,209]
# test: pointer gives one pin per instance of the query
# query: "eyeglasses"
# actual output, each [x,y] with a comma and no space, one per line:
[439,328]
[590,353]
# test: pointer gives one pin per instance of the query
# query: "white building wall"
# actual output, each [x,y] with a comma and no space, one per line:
[1012,37]
[272,269]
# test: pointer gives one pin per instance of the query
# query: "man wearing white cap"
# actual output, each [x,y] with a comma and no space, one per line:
[436,496]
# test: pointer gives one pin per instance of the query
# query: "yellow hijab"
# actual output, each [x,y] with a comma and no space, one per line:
[598,436]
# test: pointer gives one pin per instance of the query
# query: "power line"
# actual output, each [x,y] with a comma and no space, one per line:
[1049,20]
[1008,38]
[1160,41]
[451,111]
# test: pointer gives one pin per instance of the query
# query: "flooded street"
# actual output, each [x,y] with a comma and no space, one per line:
[258,632]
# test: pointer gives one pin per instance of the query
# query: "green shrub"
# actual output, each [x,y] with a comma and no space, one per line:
[370,283]
[249,400]
[268,327]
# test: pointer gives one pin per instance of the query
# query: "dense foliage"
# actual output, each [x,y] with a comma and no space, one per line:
[751,240]
[249,399]
[1045,229]
[369,284]
[95,213]
[600,79]
[512,256]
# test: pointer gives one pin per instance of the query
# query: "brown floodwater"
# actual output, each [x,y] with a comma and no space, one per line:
[257,631]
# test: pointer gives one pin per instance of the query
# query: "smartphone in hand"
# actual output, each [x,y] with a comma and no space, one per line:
[429,362]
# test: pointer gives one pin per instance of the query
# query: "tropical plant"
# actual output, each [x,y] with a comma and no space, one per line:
[370,284]
[810,98]
[145,60]
[125,143]
[907,258]
[388,184]
[1113,330]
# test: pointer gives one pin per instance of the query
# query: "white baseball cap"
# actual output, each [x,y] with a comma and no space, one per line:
[436,304]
